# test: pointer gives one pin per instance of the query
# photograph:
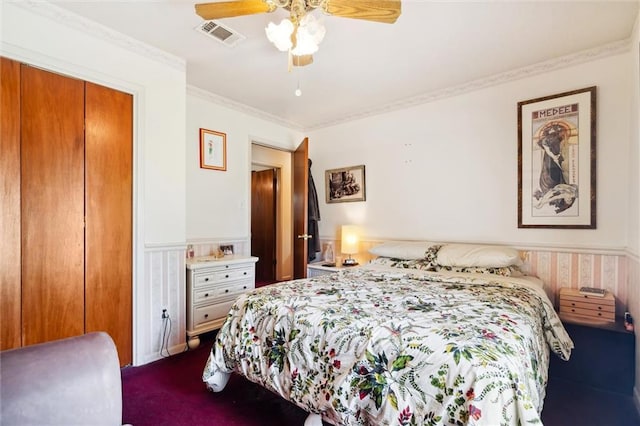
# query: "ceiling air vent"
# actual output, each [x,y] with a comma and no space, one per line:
[223,34]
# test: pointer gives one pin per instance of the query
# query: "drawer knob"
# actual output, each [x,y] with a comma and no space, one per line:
[599,314]
[226,276]
[226,266]
[573,310]
[573,304]
[206,315]
[599,307]
[226,291]
[206,279]
[244,287]
[245,273]
[206,295]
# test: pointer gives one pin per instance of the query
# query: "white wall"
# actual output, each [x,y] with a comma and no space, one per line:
[634,129]
[45,36]
[634,197]
[447,170]
[218,201]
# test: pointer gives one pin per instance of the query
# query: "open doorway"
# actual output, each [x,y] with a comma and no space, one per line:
[271,213]
[264,191]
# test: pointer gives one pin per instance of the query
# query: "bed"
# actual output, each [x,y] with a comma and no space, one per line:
[398,341]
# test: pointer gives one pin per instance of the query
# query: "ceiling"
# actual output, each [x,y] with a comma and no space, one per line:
[363,67]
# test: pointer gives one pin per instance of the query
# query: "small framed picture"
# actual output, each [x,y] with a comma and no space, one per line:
[213,150]
[345,184]
[227,250]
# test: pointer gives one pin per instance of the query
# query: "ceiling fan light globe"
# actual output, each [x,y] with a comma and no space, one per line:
[280,35]
[313,28]
[307,42]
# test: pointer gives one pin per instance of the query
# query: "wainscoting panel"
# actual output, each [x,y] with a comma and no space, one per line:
[165,288]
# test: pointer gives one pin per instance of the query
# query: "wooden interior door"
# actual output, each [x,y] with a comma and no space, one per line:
[10,276]
[263,224]
[108,245]
[52,207]
[300,208]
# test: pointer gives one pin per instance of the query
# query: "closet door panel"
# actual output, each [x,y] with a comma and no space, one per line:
[10,204]
[109,132]
[52,191]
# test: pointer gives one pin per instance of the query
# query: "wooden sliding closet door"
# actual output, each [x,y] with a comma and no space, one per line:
[10,204]
[109,130]
[52,191]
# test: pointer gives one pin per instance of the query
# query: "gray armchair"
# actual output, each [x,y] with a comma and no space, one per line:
[74,381]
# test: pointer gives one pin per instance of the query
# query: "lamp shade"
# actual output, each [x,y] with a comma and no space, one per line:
[350,239]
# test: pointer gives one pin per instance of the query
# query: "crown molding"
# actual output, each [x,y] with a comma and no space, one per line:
[72,20]
[603,51]
[229,103]
[588,55]
[58,14]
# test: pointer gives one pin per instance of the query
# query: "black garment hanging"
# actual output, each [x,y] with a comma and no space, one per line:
[313,217]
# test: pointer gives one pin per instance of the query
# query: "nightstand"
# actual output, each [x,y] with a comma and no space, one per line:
[316,269]
[212,287]
[603,357]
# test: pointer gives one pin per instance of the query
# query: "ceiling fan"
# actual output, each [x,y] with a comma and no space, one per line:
[301,33]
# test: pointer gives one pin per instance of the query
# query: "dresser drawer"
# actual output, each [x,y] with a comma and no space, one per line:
[598,307]
[209,313]
[233,274]
[609,316]
[217,291]
[221,276]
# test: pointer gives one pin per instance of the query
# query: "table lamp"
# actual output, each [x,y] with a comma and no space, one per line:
[349,244]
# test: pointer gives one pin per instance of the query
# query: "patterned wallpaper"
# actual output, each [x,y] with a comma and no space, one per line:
[575,270]
[563,269]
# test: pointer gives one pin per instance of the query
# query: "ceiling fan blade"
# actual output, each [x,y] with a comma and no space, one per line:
[302,60]
[385,11]
[229,9]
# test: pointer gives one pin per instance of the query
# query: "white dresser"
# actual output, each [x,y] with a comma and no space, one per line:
[212,287]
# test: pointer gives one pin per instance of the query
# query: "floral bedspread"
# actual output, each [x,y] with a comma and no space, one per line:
[382,346]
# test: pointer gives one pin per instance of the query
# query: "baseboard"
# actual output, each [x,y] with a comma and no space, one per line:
[173,350]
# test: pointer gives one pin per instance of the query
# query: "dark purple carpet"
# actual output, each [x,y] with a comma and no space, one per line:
[171,392]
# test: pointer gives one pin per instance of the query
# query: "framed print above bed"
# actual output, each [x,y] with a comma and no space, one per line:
[345,184]
[213,150]
[557,161]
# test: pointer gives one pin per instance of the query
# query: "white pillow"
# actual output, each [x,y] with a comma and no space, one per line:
[478,255]
[410,250]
